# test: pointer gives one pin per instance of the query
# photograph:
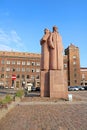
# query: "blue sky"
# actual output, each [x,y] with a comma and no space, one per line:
[22,23]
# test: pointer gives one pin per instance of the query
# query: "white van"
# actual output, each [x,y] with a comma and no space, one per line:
[29,85]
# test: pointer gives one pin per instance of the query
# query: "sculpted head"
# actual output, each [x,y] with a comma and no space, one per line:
[46,31]
[55,29]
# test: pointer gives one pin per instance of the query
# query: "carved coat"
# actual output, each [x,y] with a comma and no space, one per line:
[44,53]
[56,51]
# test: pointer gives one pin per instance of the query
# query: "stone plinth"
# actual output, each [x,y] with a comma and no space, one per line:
[44,84]
[58,84]
[54,84]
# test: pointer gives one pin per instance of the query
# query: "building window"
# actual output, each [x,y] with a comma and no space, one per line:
[33,63]
[32,77]
[18,76]
[13,62]
[75,81]
[74,57]
[33,70]
[13,69]
[18,62]
[28,62]
[23,69]
[65,65]
[37,70]
[83,76]
[74,63]
[7,69]
[37,63]
[75,69]
[75,75]
[17,69]
[2,69]
[23,62]
[8,62]
[28,76]
[27,69]
[2,62]
[7,76]
[2,75]
[37,77]
[23,76]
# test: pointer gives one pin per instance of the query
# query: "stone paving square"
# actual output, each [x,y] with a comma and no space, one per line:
[44,114]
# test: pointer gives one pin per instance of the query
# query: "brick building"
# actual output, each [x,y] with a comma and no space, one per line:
[73,65]
[83,75]
[77,75]
[26,68]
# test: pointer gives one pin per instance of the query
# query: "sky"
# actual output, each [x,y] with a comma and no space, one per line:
[22,24]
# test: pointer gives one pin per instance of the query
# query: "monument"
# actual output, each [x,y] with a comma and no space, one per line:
[53,76]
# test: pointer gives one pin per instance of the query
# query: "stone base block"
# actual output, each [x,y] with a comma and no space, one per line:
[58,84]
[44,84]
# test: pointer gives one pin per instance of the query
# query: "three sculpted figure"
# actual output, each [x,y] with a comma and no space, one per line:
[51,50]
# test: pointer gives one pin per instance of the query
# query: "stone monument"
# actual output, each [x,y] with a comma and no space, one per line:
[53,76]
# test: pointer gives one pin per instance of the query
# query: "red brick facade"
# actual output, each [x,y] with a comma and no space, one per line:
[26,68]
[73,65]
[83,76]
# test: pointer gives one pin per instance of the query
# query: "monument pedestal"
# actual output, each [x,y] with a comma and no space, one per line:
[54,84]
[45,92]
[58,84]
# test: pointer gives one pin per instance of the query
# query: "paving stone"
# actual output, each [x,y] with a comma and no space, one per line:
[56,116]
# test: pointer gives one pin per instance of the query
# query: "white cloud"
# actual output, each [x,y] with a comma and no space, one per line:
[4,38]
[15,38]
[10,40]
[5,48]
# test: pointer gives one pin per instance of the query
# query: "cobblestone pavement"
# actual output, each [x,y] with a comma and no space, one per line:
[48,114]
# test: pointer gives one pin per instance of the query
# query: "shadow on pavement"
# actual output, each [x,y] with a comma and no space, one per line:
[32,94]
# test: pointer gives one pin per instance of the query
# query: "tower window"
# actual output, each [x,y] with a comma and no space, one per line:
[74,63]
[74,57]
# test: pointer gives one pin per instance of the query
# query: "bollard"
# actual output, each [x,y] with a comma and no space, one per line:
[70,97]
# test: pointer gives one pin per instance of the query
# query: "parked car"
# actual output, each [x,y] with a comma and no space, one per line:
[71,88]
[38,89]
[29,88]
[6,87]
[33,88]
[85,87]
[2,87]
[81,88]
[12,87]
